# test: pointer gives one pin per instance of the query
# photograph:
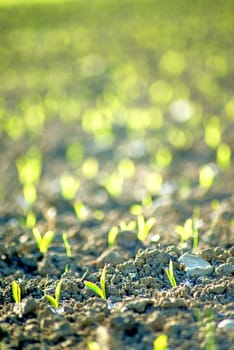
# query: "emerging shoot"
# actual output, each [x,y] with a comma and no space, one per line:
[67,245]
[16,292]
[144,227]
[160,343]
[95,288]
[54,301]
[170,274]
[43,242]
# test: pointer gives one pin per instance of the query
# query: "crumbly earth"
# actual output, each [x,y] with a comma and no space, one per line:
[141,304]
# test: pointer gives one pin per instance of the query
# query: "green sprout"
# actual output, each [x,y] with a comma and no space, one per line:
[126,168]
[30,193]
[127,227]
[16,292]
[29,170]
[80,210]
[213,132]
[95,288]
[224,156]
[43,242]
[112,234]
[66,268]
[137,209]
[144,227]
[163,157]
[29,167]
[170,274]
[54,301]
[69,186]
[114,184]
[160,343]
[93,345]
[67,245]
[206,176]
[190,229]
[154,183]
[90,168]
[114,231]
[31,219]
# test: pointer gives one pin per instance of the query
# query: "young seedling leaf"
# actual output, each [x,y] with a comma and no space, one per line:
[55,301]
[37,236]
[58,290]
[92,286]
[67,245]
[144,227]
[103,281]
[52,301]
[112,235]
[46,240]
[170,274]
[30,220]
[160,342]
[16,292]
[92,345]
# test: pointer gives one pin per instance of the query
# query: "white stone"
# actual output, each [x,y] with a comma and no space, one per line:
[194,265]
[227,325]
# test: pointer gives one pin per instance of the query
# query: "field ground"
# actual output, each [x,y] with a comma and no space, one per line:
[116,135]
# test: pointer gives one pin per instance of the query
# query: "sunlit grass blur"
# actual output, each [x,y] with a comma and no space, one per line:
[145,81]
[29,2]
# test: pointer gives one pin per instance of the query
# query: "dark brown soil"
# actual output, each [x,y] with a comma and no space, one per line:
[141,304]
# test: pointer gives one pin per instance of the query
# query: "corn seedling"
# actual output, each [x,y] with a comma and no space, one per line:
[16,292]
[112,234]
[137,209]
[30,193]
[144,227]
[69,186]
[114,184]
[67,245]
[90,168]
[114,231]
[95,288]
[190,230]
[54,301]
[207,175]
[126,168]
[43,242]
[170,274]
[30,220]
[29,171]
[160,343]
[81,210]
[224,156]
[29,167]
[154,182]
[127,227]
[93,345]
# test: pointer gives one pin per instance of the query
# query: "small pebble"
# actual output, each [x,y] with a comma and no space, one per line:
[226,325]
[194,265]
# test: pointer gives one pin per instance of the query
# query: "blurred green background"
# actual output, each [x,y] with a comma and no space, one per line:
[147,81]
